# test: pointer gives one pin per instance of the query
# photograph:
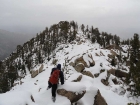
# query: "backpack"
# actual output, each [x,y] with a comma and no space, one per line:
[54,76]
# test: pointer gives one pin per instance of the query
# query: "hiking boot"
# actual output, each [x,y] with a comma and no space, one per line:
[53,99]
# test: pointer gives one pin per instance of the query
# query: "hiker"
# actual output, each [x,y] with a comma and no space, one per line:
[56,73]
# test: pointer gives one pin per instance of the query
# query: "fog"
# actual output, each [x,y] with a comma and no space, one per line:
[120,17]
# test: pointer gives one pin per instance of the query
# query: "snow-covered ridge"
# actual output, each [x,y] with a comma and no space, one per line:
[114,94]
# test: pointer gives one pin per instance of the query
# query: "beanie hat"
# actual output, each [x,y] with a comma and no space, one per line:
[59,66]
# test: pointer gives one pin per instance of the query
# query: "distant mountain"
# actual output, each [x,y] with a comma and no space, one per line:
[9,41]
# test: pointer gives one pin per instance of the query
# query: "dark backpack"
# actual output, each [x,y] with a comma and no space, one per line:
[54,76]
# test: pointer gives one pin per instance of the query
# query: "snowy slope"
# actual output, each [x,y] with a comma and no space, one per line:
[20,94]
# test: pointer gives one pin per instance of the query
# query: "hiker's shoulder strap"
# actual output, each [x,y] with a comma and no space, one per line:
[53,69]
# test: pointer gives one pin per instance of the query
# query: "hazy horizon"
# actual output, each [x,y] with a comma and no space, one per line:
[30,17]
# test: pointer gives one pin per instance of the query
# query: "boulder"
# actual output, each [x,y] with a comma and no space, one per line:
[112,71]
[113,53]
[15,84]
[102,70]
[79,43]
[41,68]
[111,56]
[101,53]
[61,48]
[66,46]
[96,54]
[96,75]
[93,62]
[34,73]
[72,42]
[78,79]
[120,74]
[79,67]
[99,100]
[72,64]
[73,97]
[88,73]
[54,61]
[105,82]
[81,60]
[109,47]
[21,82]
[115,81]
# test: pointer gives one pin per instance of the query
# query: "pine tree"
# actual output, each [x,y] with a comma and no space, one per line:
[134,73]
[39,57]
[83,28]
[93,39]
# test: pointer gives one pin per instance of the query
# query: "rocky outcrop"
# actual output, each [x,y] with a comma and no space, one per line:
[113,53]
[79,67]
[36,72]
[120,74]
[112,71]
[111,56]
[105,82]
[97,54]
[72,64]
[102,70]
[109,47]
[78,79]
[81,60]
[115,81]
[92,63]
[73,97]
[41,69]
[88,73]
[79,43]
[96,75]
[79,64]
[101,53]
[99,100]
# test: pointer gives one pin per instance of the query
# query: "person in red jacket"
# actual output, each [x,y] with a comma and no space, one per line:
[56,74]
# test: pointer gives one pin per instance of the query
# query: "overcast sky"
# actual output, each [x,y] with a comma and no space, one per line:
[120,17]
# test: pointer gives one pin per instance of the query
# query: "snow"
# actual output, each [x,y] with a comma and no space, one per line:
[73,86]
[20,94]
[88,98]
[16,97]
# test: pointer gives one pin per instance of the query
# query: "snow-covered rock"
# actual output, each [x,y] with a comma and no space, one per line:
[72,90]
[17,98]
[99,100]
[34,73]
[88,73]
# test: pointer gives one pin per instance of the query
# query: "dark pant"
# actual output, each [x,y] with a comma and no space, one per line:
[54,87]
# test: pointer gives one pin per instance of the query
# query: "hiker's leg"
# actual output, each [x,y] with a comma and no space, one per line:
[54,87]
